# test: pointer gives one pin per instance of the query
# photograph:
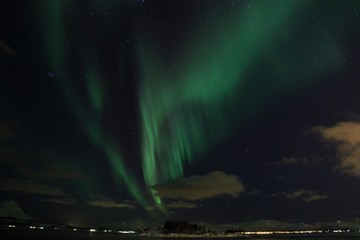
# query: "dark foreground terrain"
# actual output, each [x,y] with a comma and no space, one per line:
[36,234]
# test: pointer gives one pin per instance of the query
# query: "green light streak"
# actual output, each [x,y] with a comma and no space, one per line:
[95,90]
[89,117]
[176,102]
[185,102]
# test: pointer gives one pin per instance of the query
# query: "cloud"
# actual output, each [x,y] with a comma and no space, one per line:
[252,192]
[315,197]
[297,194]
[201,187]
[5,49]
[280,177]
[6,131]
[304,195]
[347,137]
[293,160]
[52,172]
[42,169]
[182,204]
[62,201]
[288,161]
[108,203]
[151,208]
[29,187]
[9,156]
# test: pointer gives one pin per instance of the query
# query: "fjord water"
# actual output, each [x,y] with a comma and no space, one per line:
[25,234]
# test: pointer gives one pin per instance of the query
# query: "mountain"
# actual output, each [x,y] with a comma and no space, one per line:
[263,225]
[354,224]
[11,209]
[132,225]
[275,225]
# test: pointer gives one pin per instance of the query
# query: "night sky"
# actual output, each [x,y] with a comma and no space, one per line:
[203,110]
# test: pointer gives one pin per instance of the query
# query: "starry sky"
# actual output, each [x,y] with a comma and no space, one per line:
[145,110]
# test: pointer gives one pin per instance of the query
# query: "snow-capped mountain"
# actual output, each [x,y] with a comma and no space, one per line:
[11,209]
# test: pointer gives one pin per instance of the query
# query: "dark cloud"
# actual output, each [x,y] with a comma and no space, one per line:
[33,169]
[40,165]
[6,130]
[108,203]
[294,160]
[304,195]
[53,172]
[9,156]
[347,137]
[252,192]
[29,187]
[6,49]
[280,177]
[40,170]
[182,204]
[316,197]
[298,161]
[288,161]
[201,187]
[151,208]
[62,201]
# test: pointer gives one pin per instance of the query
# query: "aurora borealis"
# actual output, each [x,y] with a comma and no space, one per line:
[165,109]
[183,105]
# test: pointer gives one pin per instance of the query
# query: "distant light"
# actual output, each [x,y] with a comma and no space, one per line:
[75,229]
[41,227]
[126,232]
[284,232]
[11,226]
[93,230]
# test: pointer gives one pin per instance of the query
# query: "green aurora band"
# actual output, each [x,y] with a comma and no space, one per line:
[88,115]
[187,101]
